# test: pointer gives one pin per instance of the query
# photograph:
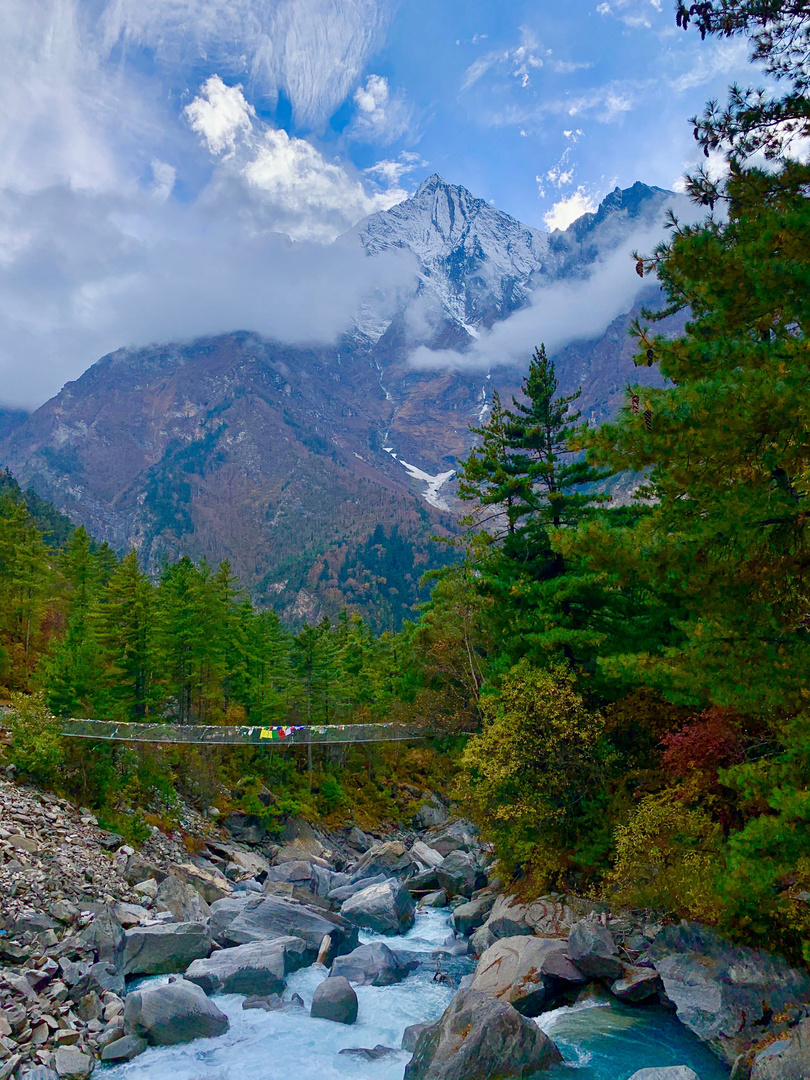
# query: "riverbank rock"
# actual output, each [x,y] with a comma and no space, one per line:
[164,949]
[386,908]
[431,813]
[131,1046]
[265,919]
[258,967]
[390,858]
[425,856]
[182,900]
[479,1037]
[786,1059]
[636,984]
[592,949]
[458,874]
[726,994]
[544,917]
[174,1013]
[72,1064]
[343,892]
[512,971]
[468,917]
[373,965]
[335,999]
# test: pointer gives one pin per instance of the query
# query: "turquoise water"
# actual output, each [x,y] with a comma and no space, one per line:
[598,1041]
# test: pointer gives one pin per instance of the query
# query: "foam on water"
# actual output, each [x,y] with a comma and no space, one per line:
[599,1039]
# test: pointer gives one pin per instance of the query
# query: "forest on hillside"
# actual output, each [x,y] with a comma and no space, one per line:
[637,675]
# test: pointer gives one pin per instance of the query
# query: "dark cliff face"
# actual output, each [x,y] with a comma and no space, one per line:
[289,460]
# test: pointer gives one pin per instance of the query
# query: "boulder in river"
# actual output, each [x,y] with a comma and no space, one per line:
[726,994]
[390,858]
[176,1012]
[264,919]
[468,917]
[258,967]
[479,1037]
[386,908]
[512,971]
[164,949]
[437,899]
[373,965]
[668,1072]
[543,917]
[124,1049]
[636,984]
[343,892]
[592,948]
[335,999]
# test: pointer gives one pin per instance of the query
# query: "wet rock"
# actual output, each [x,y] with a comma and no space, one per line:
[410,1036]
[164,949]
[373,965]
[436,899]
[272,917]
[258,967]
[386,908]
[558,965]
[174,1013]
[512,971]
[725,994]
[479,1037]
[458,875]
[182,900]
[267,1003]
[335,1000]
[468,917]
[592,949]
[124,1049]
[368,1054]
[636,984]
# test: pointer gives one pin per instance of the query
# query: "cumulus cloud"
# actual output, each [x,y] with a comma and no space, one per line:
[569,310]
[566,211]
[382,117]
[220,115]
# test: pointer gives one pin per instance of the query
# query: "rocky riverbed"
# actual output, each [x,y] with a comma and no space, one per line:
[107,954]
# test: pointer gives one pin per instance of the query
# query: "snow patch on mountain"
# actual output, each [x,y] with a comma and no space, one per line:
[434,483]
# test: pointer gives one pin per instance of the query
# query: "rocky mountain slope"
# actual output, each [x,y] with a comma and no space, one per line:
[286,459]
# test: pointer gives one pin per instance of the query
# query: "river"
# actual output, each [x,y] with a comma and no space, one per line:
[598,1040]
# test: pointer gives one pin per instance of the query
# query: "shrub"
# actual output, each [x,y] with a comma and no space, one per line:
[36,745]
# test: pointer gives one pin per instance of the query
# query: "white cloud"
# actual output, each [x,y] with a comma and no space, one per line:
[520,60]
[390,172]
[313,51]
[163,178]
[715,57]
[381,116]
[220,115]
[566,211]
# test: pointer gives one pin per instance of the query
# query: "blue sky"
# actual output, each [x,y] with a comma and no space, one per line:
[155,153]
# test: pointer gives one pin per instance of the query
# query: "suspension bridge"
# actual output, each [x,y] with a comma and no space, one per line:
[273,737]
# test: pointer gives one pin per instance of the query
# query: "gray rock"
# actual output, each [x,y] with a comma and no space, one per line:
[386,908]
[40,1072]
[636,984]
[343,892]
[138,870]
[787,1059]
[481,940]
[358,840]
[164,949]
[373,1053]
[102,976]
[724,993]
[479,1037]
[335,1000]
[423,882]
[436,899]
[72,1064]
[182,900]
[425,856]
[511,970]
[669,1072]
[557,965]
[105,936]
[410,1036]
[592,948]
[543,917]
[273,917]
[296,870]
[174,1013]
[391,858]
[468,917]
[431,814]
[457,836]
[258,967]
[373,965]
[124,1049]
[223,913]
[458,875]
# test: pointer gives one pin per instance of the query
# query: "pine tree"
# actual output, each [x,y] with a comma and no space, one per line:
[127,635]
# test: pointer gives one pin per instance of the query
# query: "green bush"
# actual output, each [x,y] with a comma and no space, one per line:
[37,748]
